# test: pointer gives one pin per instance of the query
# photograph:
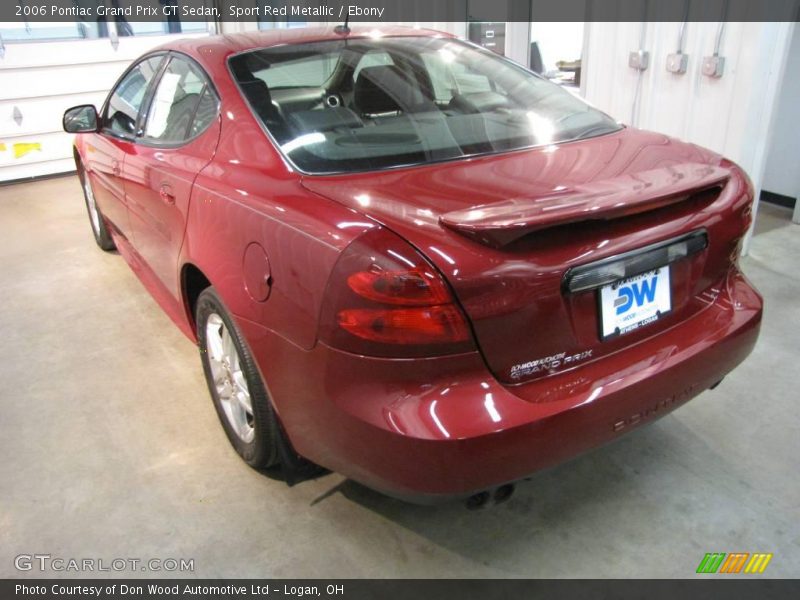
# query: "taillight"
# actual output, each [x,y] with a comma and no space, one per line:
[385,299]
[409,287]
[421,325]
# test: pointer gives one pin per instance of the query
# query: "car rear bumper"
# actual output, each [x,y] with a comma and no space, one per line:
[444,427]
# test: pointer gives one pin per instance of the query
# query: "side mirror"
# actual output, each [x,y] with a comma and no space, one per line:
[80,119]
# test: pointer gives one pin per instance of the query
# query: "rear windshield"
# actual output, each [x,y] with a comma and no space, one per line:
[363,104]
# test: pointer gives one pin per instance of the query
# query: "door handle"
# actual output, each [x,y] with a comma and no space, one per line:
[115,167]
[166,194]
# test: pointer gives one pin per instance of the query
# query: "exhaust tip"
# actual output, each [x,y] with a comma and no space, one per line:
[503,493]
[478,501]
[490,497]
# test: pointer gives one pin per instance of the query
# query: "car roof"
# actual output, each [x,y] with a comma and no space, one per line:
[208,50]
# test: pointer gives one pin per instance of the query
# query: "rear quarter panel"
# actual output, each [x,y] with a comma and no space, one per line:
[248,194]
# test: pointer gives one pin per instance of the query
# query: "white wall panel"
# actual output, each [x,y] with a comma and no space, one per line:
[48,147]
[44,82]
[782,174]
[42,115]
[732,115]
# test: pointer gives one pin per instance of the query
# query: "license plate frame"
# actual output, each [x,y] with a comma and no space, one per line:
[644,299]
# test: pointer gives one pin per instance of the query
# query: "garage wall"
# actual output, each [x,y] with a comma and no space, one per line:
[39,80]
[558,41]
[732,115]
[782,174]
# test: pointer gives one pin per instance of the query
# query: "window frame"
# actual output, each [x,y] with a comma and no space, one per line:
[144,112]
[152,86]
[104,129]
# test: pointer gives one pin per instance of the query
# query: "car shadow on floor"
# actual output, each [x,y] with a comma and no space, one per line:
[630,479]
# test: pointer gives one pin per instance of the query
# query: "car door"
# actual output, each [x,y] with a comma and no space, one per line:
[178,139]
[105,153]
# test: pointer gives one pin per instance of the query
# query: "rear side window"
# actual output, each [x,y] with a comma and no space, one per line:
[174,115]
[126,100]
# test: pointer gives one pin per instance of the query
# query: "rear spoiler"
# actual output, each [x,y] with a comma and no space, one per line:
[501,223]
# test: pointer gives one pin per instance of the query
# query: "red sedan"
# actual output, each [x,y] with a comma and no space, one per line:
[411,261]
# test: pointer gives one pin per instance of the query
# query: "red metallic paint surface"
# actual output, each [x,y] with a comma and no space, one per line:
[104,157]
[447,424]
[158,186]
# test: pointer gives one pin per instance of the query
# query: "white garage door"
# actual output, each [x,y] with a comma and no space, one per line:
[46,68]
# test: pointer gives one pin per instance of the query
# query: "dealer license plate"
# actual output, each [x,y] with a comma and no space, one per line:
[629,304]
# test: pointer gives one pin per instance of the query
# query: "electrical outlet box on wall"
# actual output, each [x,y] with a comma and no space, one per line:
[639,60]
[713,66]
[677,63]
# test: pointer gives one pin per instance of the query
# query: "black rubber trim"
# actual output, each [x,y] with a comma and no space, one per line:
[696,241]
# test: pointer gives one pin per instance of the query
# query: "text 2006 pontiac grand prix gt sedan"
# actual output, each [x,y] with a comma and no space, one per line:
[414,262]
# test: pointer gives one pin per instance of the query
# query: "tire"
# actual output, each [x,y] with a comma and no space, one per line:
[239,394]
[101,235]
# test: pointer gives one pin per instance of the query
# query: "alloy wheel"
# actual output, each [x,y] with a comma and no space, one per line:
[90,201]
[229,380]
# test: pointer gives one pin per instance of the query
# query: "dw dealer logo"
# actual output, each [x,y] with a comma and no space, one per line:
[638,293]
[720,562]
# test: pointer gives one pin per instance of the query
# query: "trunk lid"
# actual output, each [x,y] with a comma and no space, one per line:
[506,230]
[502,223]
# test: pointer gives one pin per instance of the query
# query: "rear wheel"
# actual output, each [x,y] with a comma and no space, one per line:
[99,229]
[239,394]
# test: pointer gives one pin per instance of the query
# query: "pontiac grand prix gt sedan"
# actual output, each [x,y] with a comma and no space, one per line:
[414,262]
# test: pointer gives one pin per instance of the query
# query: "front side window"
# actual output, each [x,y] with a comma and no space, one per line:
[174,114]
[126,100]
[362,104]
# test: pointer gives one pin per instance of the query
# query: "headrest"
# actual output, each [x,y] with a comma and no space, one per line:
[257,93]
[478,102]
[381,89]
[256,90]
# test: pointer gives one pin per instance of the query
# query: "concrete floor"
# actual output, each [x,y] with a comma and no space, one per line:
[111,448]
